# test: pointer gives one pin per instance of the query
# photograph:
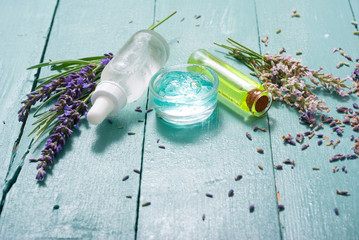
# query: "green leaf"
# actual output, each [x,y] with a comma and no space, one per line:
[47,101]
[68,61]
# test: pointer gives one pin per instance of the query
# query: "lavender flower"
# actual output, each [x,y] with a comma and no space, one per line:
[74,93]
[71,111]
[308,117]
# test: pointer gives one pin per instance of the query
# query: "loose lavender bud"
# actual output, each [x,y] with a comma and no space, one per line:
[343,193]
[131,133]
[158,140]
[128,196]
[288,161]
[162,147]
[318,127]
[342,109]
[356,128]
[346,120]
[339,131]
[305,146]
[320,142]
[299,138]
[125,178]
[307,133]
[308,118]
[230,193]
[109,121]
[260,150]
[137,171]
[288,139]
[316,169]
[149,110]
[336,211]
[262,129]
[209,195]
[332,124]
[255,128]
[320,135]
[238,177]
[326,119]
[280,207]
[203,217]
[251,208]
[355,105]
[351,137]
[146,204]
[248,136]
[278,166]
[350,110]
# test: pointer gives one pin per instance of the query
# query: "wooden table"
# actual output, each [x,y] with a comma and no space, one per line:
[84,196]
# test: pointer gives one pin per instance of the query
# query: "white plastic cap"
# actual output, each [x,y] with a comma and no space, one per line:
[107,99]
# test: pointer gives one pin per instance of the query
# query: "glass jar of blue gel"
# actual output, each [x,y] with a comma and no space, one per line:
[184,94]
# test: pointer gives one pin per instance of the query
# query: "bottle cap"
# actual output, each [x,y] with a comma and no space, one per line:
[107,99]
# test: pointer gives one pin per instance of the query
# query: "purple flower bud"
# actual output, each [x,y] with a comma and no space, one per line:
[346,120]
[248,136]
[305,146]
[320,142]
[280,207]
[251,208]
[336,211]
[278,166]
[355,105]
[342,109]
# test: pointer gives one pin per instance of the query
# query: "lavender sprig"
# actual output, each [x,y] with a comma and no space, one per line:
[70,106]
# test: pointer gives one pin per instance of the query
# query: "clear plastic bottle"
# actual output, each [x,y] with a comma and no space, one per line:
[238,91]
[127,75]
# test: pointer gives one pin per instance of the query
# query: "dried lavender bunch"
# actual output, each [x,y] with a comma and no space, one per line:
[284,77]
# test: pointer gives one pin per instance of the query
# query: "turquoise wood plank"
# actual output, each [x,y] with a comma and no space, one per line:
[86,180]
[22,37]
[310,196]
[206,158]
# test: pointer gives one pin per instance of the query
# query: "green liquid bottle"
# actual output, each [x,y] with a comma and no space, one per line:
[236,90]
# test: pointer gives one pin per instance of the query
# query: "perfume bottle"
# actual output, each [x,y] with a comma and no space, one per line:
[236,90]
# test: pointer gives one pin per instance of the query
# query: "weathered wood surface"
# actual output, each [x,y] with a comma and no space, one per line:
[86,180]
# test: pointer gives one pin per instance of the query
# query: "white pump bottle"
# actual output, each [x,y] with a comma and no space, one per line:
[127,75]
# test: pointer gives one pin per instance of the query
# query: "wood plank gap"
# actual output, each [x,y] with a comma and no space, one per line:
[269,132]
[143,144]
[351,9]
[9,183]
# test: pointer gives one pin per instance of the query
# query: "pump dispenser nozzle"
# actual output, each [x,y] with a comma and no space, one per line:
[99,110]
[108,99]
